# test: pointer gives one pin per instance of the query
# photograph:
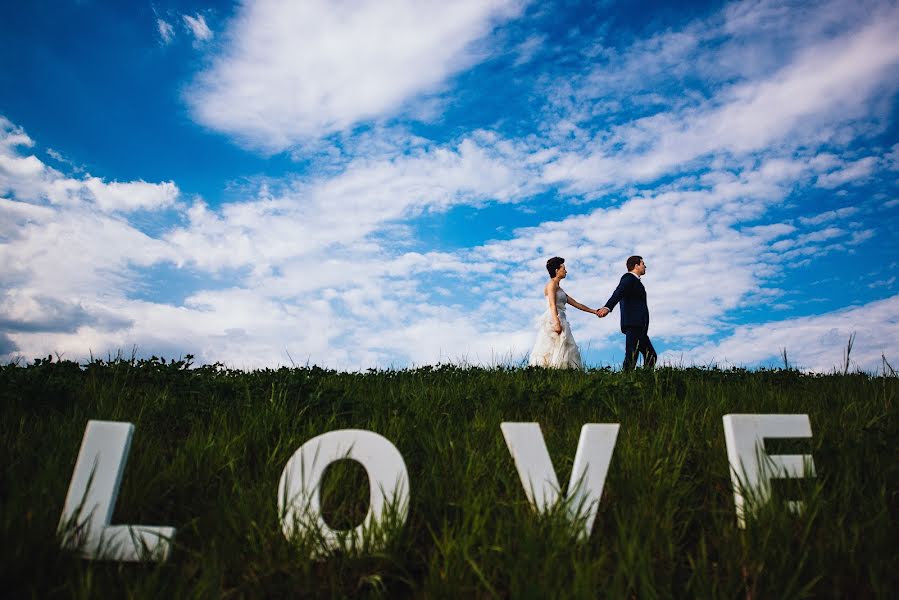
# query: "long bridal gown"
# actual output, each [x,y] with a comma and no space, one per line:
[555,350]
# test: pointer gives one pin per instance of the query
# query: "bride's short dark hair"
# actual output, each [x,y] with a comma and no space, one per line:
[553,264]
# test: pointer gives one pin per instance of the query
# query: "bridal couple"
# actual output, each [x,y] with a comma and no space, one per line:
[555,347]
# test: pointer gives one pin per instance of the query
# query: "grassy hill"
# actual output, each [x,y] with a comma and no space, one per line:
[210,445]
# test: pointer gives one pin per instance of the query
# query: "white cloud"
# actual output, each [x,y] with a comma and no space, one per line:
[343,292]
[135,195]
[528,49]
[831,215]
[324,283]
[703,264]
[242,328]
[56,155]
[197,27]
[342,211]
[814,343]
[73,251]
[294,71]
[327,268]
[29,179]
[893,157]
[827,82]
[64,235]
[453,336]
[882,283]
[166,31]
[11,163]
[854,172]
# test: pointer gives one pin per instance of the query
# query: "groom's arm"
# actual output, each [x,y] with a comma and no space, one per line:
[618,293]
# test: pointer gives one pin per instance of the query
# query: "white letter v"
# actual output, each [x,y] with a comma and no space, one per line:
[591,465]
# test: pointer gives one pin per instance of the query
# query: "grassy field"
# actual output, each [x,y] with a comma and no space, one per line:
[210,445]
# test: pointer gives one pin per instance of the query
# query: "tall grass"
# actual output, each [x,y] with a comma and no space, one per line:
[210,445]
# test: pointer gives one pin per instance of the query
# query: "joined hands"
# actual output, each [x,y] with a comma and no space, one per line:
[602,312]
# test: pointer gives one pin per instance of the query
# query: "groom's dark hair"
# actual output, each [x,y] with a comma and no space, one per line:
[633,261]
[553,264]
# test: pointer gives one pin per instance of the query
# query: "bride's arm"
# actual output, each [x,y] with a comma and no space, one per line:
[580,306]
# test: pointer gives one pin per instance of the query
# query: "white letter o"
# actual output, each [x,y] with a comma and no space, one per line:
[299,491]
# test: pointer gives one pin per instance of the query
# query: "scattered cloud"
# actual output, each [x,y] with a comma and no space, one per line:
[350,207]
[27,178]
[854,172]
[814,343]
[278,250]
[892,157]
[62,237]
[135,195]
[831,215]
[827,83]
[197,27]
[527,50]
[314,284]
[166,31]
[882,283]
[704,264]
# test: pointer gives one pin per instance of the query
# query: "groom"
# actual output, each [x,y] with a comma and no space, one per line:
[634,314]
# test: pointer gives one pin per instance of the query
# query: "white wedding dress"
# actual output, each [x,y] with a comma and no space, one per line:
[555,350]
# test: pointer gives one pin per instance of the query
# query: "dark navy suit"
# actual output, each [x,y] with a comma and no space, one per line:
[634,320]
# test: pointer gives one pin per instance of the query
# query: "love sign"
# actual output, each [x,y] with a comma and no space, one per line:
[85,525]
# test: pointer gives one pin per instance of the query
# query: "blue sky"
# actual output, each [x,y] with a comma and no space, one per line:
[379,184]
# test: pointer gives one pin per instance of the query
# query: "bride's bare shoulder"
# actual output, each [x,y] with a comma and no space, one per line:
[550,286]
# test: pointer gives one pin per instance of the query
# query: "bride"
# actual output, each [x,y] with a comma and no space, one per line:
[555,346]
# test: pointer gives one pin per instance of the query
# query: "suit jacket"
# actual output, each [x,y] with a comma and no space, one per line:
[632,295]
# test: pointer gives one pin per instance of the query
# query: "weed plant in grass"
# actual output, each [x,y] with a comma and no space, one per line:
[210,444]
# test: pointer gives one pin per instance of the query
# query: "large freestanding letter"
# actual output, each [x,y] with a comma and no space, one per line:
[541,485]
[84,525]
[299,492]
[752,468]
